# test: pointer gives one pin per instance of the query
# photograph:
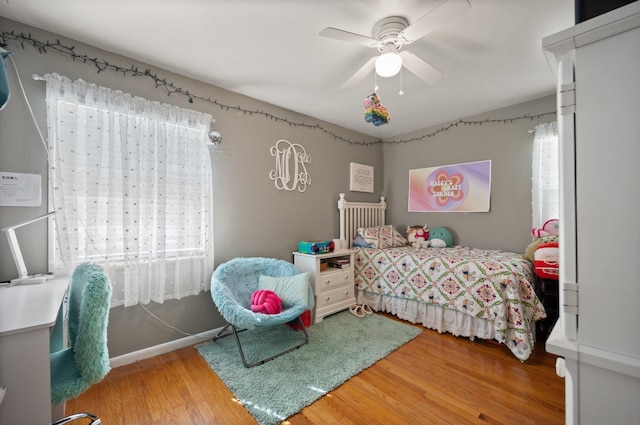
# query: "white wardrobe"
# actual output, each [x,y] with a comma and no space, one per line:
[598,333]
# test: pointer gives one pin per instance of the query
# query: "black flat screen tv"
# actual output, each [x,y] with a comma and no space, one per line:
[587,9]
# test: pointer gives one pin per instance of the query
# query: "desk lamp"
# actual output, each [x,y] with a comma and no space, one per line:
[23,277]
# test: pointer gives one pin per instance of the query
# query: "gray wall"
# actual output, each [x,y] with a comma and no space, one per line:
[509,147]
[252,217]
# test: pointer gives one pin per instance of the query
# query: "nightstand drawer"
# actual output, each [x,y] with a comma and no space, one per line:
[330,280]
[328,298]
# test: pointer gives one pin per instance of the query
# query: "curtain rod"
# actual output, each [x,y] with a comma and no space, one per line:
[38,77]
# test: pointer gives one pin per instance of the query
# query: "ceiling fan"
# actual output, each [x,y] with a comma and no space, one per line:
[391,34]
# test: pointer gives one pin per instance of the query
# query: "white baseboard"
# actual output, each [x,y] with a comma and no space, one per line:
[156,350]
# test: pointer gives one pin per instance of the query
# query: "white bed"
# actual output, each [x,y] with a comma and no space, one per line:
[463,291]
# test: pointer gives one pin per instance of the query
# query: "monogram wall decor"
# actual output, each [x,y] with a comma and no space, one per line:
[290,172]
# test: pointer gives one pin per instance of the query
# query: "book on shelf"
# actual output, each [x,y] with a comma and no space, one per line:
[338,263]
[338,260]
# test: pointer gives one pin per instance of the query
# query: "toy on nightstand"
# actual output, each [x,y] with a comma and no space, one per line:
[418,236]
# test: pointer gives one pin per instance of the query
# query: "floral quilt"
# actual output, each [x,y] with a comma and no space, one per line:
[492,285]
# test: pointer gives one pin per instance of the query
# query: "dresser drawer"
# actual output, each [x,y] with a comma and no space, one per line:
[334,296]
[330,280]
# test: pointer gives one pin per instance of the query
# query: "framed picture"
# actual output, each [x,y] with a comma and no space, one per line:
[361,178]
[20,190]
[451,188]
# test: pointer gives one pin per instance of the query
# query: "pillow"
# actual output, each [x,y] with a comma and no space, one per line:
[359,241]
[398,239]
[265,302]
[292,290]
[382,237]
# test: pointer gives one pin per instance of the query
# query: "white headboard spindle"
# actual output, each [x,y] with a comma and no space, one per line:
[355,215]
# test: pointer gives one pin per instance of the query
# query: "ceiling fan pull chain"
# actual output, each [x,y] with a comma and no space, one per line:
[401,92]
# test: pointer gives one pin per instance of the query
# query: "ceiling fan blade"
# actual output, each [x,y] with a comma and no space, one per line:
[360,74]
[437,17]
[419,67]
[350,37]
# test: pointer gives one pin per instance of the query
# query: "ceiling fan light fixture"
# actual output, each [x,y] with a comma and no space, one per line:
[388,64]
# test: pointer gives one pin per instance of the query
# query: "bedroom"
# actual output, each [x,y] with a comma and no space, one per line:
[245,200]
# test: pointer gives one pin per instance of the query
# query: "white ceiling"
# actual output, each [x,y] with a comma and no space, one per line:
[270,50]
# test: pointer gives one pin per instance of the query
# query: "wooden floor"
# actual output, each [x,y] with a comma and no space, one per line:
[434,379]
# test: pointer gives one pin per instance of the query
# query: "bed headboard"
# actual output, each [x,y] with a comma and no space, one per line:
[354,215]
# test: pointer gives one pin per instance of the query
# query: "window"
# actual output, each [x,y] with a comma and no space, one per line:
[545,175]
[132,190]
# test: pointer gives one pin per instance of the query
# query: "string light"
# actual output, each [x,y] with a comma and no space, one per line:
[170,88]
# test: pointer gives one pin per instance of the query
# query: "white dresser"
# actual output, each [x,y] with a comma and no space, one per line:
[333,287]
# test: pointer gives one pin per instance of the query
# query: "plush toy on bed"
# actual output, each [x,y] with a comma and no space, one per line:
[440,237]
[418,236]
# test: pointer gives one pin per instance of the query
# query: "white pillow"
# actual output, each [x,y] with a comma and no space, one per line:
[292,290]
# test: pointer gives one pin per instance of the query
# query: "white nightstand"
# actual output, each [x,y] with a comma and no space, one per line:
[333,287]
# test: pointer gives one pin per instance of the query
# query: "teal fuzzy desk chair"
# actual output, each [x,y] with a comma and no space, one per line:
[86,360]
[233,283]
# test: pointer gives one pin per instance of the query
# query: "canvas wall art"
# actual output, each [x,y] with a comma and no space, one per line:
[451,188]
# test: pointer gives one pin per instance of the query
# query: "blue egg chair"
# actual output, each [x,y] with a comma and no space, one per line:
[233,283]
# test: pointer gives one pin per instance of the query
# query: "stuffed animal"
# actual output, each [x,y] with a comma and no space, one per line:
[549,228]
[418,236]
[547,233]
[374,112]
[529,252]
[546,261]
[440,237]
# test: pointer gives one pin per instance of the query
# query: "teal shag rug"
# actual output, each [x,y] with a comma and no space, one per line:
[339,347]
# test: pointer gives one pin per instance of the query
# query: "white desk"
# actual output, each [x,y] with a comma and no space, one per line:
[28,314]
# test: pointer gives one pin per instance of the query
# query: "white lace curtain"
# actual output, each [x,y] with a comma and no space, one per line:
[545,175]
[132,190]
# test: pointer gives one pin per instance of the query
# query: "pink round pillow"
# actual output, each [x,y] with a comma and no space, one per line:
[266,302]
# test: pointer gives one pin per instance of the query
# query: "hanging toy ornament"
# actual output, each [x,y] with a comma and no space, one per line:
[374,112]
